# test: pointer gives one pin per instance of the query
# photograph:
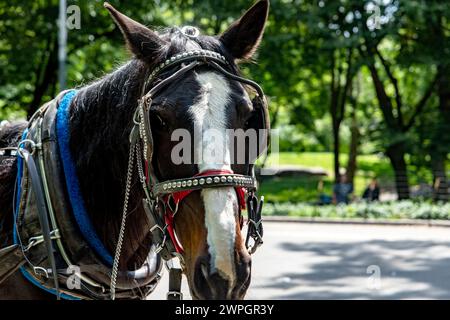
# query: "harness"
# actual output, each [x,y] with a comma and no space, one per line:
[46,215]
[48,223]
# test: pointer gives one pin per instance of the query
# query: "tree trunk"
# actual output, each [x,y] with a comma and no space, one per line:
[440,145]
[396,154]
[440,182]
[353,153]
[354,133]
[336,149]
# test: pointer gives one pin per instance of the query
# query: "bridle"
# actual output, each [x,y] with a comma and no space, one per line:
[162,198]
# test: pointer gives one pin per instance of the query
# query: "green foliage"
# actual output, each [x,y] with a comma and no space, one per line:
[294,64]
[386,210]
[305,189]
[290,189]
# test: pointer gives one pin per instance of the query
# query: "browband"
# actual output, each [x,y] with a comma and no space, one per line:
[210,181]
[197,55]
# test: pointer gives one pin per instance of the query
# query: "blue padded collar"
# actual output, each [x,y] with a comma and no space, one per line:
[72,182]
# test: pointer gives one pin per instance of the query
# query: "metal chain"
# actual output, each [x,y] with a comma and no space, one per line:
[123,223]
[141,173]
[142,127]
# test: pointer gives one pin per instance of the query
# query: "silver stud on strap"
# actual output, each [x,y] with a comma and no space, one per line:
[195,53]
[191,32]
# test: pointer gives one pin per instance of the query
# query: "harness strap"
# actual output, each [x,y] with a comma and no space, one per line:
[12,259]
[42,213]
[177,197]
[175,284]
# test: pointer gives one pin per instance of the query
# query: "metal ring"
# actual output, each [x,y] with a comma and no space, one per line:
[191,32]
[174,210]
[20,148]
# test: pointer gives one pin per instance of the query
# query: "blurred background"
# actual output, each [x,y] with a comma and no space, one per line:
[359,91]
[356,88]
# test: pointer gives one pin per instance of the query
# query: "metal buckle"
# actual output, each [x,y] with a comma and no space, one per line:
[174,262]
[34,241]
[254,223]
[40,271]
[161,245]
[174,294]
[256,236]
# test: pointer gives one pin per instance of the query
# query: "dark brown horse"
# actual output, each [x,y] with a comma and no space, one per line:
[217,263]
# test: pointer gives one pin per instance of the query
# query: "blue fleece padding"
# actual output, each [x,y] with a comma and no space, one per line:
[72,183]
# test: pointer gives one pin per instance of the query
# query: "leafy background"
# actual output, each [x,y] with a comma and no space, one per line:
[344,82]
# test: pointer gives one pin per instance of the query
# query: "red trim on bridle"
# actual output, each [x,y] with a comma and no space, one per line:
[177,197]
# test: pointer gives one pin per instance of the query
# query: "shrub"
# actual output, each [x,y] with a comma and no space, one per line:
[405,209]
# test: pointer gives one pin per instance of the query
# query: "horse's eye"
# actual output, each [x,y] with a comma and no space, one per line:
[157,122]
[248,120]
[162,123]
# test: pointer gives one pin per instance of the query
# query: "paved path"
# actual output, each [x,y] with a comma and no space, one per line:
[323,261]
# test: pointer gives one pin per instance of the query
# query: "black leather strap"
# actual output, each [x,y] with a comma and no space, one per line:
[42,212]
[11,259]
[203,182]
[159,232]
[175,284]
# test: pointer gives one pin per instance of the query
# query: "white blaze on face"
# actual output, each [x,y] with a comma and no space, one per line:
[209,114]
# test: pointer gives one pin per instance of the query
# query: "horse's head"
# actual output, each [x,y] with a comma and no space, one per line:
[207,223]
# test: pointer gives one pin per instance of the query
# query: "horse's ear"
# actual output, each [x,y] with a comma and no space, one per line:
[140,40]
[242,38]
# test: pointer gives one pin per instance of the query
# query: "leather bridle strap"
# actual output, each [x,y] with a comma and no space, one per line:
[163,198]
[206,179]
[175,284]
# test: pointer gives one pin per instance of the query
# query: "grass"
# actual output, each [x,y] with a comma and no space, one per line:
[371,164]
[295,189]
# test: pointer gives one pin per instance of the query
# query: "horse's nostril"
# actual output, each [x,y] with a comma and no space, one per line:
[203,287]
[204,269]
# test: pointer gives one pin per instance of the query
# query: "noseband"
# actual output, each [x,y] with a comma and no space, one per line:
[162,198]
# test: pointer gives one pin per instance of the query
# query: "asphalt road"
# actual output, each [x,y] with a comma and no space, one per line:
[333,261]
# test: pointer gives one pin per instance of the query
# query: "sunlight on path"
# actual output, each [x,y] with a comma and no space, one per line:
[318,261]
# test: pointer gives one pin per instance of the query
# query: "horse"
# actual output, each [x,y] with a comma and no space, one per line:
[102,118]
